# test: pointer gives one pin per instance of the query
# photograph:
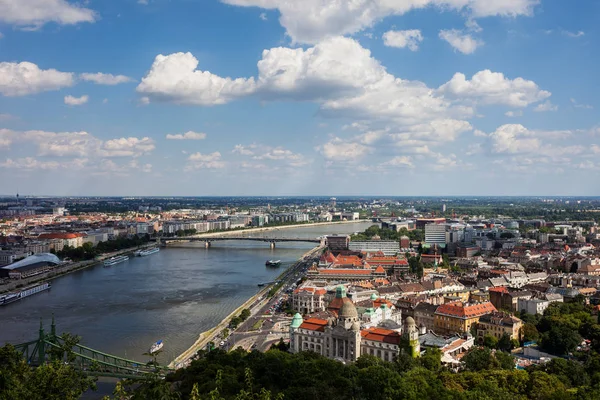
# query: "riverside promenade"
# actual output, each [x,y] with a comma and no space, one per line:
[256,304]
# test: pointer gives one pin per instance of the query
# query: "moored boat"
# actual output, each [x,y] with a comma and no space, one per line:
[147,252]
[115,260]
[22,293]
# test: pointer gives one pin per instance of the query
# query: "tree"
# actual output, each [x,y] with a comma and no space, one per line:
[245,314]
[54,380]
[560,340]
[490,341]
[432,359]
[529,333]
[505,343]
[507,235]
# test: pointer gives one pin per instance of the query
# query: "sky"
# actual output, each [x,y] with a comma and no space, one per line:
[287,97]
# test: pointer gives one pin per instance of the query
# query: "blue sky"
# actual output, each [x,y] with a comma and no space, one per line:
[281,97]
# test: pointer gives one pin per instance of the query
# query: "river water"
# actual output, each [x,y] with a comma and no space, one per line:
[172,295]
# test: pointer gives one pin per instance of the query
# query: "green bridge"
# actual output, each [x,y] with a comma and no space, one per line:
[50,346]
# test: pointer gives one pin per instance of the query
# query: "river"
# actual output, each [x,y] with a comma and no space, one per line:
[171,295]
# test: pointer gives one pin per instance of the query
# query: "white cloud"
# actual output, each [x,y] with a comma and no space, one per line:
[546,106]
[400,161]
[6,117]
[339,150]
[127,147]
[35,13]
[175,78]
[463,42]
[143,2]
[264,152]
[574,34]
[205,161]
[79,144]
[31,163]
[104,101]
[516,139]
[189,135]
[20,79]
[105,79]
[76,101]
[494,88]
[579,105]
[309,21]
[1,35]
[263,16]
[517,113]
[408,38]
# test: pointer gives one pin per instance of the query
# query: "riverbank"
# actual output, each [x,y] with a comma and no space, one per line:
[66,269]
[209,336]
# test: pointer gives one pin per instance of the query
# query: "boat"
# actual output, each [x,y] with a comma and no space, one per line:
[137,253]
[273,263]
[155,348]
[22,293]
[147,252]
[115,260]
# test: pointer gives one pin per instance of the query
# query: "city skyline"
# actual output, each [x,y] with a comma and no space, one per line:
[276,97]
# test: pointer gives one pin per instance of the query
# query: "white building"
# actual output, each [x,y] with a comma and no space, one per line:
[388,247]
[435,234]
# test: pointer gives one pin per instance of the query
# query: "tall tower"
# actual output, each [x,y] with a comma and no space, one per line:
[411,334]
[296,322]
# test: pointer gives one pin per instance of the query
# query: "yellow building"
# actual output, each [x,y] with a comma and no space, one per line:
[458,317]
[497,324]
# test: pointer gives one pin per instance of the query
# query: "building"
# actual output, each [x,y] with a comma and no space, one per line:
[32,265]
[422,222]
[435,234]
[387,247]
[458,317]
[498,324]
[340,337]
[309,300]
[338,242]
[425,315]
[538,305]
[345,274]
[501,298]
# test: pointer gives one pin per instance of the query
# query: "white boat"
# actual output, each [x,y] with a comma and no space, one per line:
[115,260]
[156,347]
[25,292]
[147,252]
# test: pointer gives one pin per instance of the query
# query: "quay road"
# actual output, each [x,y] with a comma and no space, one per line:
[258,305]
[274,324]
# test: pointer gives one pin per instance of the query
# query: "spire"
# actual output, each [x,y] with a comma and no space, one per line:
[53,328]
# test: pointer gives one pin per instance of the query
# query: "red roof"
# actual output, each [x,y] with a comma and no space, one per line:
[379,270]
[499,289]
[340,271]
[314,324]
[381,335]
[459,310]
[60,235]
[311,290]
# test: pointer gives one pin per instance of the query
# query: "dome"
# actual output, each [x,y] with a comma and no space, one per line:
[410,322]
[348,309]
[356,326]
[296,321]
[373,296]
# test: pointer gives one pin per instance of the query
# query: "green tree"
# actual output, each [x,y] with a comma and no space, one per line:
[560,340]
[490,341]
[529,333]
[505,343]
[431,360]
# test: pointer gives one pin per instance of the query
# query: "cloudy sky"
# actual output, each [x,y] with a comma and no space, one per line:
[287,97]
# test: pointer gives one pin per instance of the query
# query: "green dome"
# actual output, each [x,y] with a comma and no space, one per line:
[340,292]
[296,321]
[373,296]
